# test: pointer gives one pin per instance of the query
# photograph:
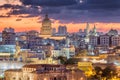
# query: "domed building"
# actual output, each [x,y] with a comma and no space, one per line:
[46,28]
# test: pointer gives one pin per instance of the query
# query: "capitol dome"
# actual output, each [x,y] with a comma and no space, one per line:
[46,21]
[46,28]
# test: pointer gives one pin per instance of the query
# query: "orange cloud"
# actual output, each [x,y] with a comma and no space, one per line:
[26,24]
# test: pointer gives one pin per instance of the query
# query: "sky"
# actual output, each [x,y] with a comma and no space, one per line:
[25,15]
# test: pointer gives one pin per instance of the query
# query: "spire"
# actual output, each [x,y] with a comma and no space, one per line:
[94,27]
[94,31]
[87,27]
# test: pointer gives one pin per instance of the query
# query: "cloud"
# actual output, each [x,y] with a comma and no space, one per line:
[18,19]
[10,6]
[29,11]
[4,16]
[68,11]
[49,2]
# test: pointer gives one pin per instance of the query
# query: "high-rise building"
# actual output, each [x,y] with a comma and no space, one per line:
[8,36]
[53,31]
[62,30]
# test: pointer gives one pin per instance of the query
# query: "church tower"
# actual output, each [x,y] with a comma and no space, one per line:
[87,30]
[87,33]
[46,28]
[94,33]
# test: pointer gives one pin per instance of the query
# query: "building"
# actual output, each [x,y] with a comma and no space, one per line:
[46,30]
[86,67]
[112,32]
[87,33]
[62,30]
[53,31]
[31,38]
[94,32]
[105,40]
[43,72]
[8,36]
[93,40]
[43,48]
[65,51]
[115,40]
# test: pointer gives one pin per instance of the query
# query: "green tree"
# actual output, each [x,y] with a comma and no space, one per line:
[97,70]
[82,53]
[109,72]
[70,61]
[62,59]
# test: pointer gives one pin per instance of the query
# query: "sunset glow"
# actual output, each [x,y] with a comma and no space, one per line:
[34,23]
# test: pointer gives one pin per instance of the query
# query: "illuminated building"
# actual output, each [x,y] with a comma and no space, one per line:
[94,32]
[86,67]
[62,30]
[46,30]
[5,65]
[93,40]
[112,32]
[53,31]
[46,48]
[105,40]
[115,40]
[65,51]
[6,51]
[31,38]
[8,36]
[43,72]
[87,33]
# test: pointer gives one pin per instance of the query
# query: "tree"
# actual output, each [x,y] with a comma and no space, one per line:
[97,70]
[109,72]
[62,59]
[97,73]
[70,61]
[82,53]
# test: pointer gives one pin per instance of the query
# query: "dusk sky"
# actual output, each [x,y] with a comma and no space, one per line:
[25,15]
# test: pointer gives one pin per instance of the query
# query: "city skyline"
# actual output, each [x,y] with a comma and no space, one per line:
[26,15]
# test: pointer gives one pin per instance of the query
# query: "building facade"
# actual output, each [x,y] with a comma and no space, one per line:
[115,40]
[105,40]
[43,72]
[8,36]
[93,40]
[62,30]
[46,28]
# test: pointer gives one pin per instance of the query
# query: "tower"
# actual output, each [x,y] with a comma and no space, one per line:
[94,33]
[87,33]
[87,30]
[46,28]
[8,36]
